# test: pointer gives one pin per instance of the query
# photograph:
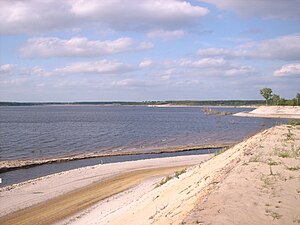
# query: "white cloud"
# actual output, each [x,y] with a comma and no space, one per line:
[41,72]
[96,67]
[133,83]
[238,71]
[145,63]
[166,35]
[213,67]
[6,68]
[139,14]
[145,45]
[268,9]
[123,83]
[34,16]
[220,52]
[288,70]
[13,81]
[203,63]
[77,46]
[38,16]
[283,48]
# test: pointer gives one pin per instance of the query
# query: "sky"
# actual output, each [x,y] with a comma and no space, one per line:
[142,50]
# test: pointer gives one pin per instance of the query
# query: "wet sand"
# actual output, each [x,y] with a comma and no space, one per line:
[62,186]
[66,205]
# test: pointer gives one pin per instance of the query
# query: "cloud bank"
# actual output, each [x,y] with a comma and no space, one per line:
[38,16]
[79,46]
[282,48]
[268,9]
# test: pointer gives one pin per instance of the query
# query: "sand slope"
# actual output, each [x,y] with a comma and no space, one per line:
[255,182]
[292,112]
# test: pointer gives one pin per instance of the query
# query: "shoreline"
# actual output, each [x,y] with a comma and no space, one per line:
[250,183]
[42,189]
[263,169]
[280,112]
[10,165]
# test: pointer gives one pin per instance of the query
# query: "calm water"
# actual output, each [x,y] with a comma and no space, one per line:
[24,174]
[51,131]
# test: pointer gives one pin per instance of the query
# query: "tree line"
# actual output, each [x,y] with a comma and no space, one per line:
[274,99]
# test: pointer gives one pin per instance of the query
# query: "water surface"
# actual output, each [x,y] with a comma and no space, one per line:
[53,131]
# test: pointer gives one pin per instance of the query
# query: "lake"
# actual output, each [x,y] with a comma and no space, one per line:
[34,132]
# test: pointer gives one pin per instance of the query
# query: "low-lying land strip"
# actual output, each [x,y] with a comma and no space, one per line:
[289,112]
[8,165]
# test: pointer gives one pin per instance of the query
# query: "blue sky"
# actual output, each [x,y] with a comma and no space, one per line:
[138,50]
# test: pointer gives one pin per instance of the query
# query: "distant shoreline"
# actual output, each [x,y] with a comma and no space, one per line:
[206,103]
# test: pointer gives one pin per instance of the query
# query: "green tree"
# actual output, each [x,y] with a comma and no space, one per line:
[275,99]
[266,93]
[298,98]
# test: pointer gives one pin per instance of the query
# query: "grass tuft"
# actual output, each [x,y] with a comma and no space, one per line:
[167,178]
[255,158]
[294,122]
[293,168]
[163,181]
[220,151]
[178,173]
[283,154]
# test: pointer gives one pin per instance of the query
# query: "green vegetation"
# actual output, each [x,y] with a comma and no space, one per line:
[220,151]
[178,173]
[272,163]
[167,178]
[274,215]
[163,181]
[274,99]
[283,154]
[266,93]
[255,158]
[294,122]
[293,168]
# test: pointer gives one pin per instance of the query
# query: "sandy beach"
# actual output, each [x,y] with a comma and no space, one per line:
[256,181]
[121,176]
[289,112]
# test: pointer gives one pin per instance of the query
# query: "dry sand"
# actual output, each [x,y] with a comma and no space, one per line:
[255,182]
[289,112]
